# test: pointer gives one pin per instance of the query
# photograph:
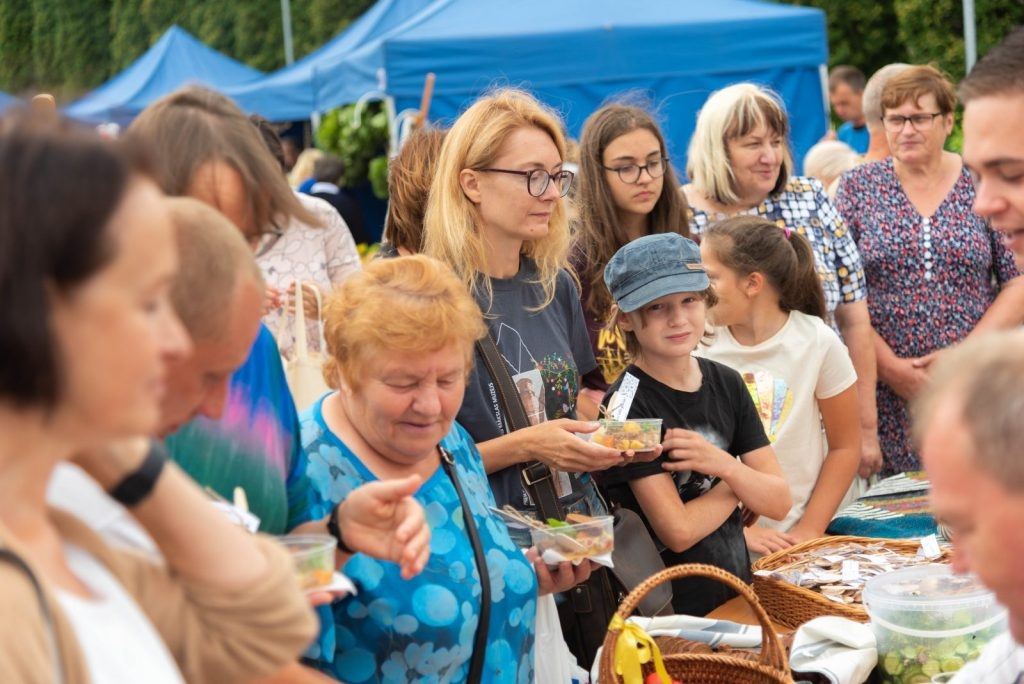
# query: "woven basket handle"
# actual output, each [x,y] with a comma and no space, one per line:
[772,653]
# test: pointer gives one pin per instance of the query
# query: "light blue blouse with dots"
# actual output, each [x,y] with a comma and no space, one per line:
[420,630]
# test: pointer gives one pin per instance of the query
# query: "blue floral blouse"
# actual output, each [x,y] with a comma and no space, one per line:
[422,629]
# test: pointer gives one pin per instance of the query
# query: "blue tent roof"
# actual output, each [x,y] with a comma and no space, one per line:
[574,54]
[288,94]
[177,59]
[8,101]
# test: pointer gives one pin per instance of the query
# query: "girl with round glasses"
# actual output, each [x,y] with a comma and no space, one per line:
[935,271]
[624,171]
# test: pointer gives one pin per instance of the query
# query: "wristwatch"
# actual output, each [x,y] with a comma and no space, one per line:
[335,531]
[138,485]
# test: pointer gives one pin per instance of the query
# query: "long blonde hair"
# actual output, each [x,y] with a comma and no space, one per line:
[451,224]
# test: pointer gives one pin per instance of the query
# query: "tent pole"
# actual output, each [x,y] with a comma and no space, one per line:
[970,38]
[286,26]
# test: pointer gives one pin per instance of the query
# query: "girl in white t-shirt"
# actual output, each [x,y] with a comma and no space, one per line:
[770,327]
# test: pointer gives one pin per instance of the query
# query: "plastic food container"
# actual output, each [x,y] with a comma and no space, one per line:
[573,542]
[929,622]
[638,434]
[314,558]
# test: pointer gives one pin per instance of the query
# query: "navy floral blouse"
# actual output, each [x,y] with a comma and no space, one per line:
[804,206]
[931,278]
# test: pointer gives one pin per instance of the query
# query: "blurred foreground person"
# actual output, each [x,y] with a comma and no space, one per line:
[88,332]
[970,432]
[993,97]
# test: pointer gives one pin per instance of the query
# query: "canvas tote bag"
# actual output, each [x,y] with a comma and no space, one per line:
[303,372]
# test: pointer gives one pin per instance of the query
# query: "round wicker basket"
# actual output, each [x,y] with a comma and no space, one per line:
[703,668]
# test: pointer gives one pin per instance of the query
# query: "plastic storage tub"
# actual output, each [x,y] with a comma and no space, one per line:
[929,622]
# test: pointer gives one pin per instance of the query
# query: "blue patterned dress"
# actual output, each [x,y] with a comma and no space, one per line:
[931,279]
[422,629]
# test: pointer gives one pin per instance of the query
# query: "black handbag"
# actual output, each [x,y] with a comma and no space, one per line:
[590,605]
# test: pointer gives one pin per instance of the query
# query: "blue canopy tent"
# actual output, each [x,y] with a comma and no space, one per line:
[574,54]
[8,101]
[288,94]
[177,59]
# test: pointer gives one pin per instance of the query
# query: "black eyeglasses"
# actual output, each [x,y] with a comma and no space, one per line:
[894,123]
[630,173]
[537,180]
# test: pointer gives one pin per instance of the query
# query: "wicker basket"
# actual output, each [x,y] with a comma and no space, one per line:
[791,605]
[770,667]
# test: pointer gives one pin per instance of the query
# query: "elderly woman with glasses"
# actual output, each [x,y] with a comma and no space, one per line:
[935,271]
[739,163]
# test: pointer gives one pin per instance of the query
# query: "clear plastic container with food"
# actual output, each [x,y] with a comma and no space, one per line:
[638,434]
[578,538]
[314,558]
[929,622]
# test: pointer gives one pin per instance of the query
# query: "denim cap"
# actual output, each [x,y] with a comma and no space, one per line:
[654,266]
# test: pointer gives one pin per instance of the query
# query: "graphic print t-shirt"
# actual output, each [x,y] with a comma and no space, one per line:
[786,375]
[544,351]
[724,414]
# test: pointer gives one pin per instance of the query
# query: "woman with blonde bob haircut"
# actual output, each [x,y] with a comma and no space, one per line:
[400,337]
[739,163]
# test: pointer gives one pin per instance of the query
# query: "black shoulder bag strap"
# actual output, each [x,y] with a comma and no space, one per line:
[476,663]
[536,476]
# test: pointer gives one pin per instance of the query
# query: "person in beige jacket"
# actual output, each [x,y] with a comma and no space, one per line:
[87,256]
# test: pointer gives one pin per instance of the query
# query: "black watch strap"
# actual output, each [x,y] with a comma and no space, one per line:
[138,485]
[335,531]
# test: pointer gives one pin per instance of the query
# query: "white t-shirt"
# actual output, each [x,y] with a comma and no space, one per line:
[803,362]
[1001,662]
[71,489]
[117,640]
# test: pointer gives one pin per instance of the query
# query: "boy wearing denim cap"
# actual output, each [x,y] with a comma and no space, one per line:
[716,456]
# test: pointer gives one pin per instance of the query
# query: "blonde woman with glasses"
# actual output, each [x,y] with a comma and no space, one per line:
[935,271]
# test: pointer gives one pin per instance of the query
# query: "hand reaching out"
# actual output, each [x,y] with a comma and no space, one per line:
[765,541]
[555,443]
[381,519]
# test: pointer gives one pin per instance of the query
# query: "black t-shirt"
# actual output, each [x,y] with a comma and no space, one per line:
[723,412]
[545,351]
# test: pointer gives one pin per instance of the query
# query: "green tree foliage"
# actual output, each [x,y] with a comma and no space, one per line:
[69,46]
[83,43]
[314,22]
[933,30]
[17,69]
[258,34]
[860,33]
[129,35]
[872,34]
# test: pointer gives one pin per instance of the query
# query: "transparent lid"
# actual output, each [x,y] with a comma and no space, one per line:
[925,587]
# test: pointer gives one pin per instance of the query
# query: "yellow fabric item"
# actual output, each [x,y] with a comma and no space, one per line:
[634,648]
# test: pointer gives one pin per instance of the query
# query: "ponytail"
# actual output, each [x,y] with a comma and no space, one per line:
[750,244]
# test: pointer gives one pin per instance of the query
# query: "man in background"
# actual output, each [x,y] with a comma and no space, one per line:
[878,144]
[845,91]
